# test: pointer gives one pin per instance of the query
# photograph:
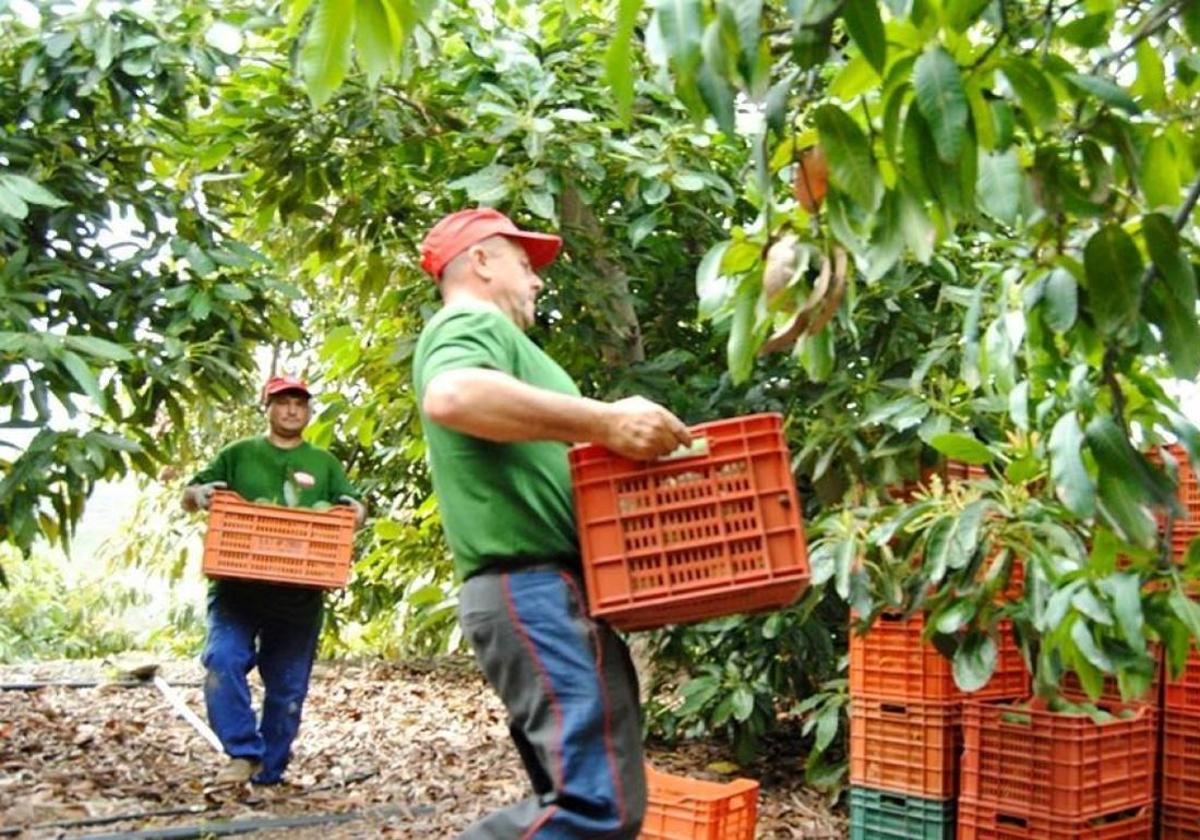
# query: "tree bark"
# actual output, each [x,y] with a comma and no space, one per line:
[623,343]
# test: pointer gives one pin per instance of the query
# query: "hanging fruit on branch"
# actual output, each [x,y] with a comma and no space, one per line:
[812,179]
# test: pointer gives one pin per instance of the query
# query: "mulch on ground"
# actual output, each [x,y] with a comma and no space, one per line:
[405,751]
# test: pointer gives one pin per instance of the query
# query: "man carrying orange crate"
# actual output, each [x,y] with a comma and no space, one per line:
[498,415]
[254,623]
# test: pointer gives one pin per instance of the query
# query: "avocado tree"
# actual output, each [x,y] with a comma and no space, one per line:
[125,305]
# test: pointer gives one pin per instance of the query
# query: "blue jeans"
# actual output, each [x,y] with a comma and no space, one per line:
[572,698]
[240,638]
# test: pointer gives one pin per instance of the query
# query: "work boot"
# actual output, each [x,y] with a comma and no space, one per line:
[238,771]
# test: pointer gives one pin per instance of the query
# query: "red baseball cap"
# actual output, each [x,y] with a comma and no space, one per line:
[279,384]
[459,231]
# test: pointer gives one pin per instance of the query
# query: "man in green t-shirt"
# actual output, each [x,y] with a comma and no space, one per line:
[254,623]
[498,415]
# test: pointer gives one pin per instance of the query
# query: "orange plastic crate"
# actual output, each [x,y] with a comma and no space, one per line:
[1181,758]
[278,544]
[1067,766]
[678,808]
[689,538]
[905,746]
[987,821]
[1178,822]
[1184,693]
[892,662]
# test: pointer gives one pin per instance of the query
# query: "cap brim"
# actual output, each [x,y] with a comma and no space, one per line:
[541,248]
[290,388]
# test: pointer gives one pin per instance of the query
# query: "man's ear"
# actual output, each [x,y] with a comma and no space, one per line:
[480,259]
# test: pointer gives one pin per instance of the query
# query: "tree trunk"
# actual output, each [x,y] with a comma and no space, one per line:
[623,343]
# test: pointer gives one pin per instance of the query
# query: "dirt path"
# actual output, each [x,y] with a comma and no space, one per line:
[422,751]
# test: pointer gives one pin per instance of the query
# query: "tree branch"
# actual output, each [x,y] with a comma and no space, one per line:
[1154,22]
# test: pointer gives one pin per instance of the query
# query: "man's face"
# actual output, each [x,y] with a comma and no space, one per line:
[513,283]
[288,413]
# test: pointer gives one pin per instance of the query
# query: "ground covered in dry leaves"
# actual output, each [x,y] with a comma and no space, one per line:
[412,751]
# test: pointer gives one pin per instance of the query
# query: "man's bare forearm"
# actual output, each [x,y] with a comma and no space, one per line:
[494,406]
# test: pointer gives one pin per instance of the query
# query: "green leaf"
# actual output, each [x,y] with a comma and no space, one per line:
[902,413]
[1033,90]
[1000,185]
[719,97]
[1150,85]
[1125,591]
[618,58]
[680,22]
[30,191]
[743,703]
[1179,329]
[974,662]
[712,288]
[1126,488]
[866,28]
[747,16]
[487,186]
[740,349]
[1081,635]
[1167,254]
[1086,602]
[942,100]
[954,617]
[827,727]
[1114,272]
[960,14]
[376,38]
[12,204]
[1088,31]
[325,57]
[539,203]
[1159,174]
[1107,92]
[84,376]
[98,348]
[817,355]
[962,448]
[851,167]
[887,240]
[1187,610]
[1072,484]
[1060,299]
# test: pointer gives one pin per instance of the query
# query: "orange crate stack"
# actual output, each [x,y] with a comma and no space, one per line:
[678,808]
[1184,693]
[905,746]
[278,544]
[1028,765]
[715,531]
[891,661]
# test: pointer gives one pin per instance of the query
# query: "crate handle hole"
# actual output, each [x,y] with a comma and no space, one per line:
[893,708]
[1009,819]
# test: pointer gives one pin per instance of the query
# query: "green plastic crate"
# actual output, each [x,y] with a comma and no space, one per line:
[884,815]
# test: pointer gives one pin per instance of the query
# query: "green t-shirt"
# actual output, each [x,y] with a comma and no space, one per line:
[501,503]
[256,470]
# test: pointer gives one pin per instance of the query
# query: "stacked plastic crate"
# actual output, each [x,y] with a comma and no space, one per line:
[905,721]
[1028,772]
[905,729]
[1179,814]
